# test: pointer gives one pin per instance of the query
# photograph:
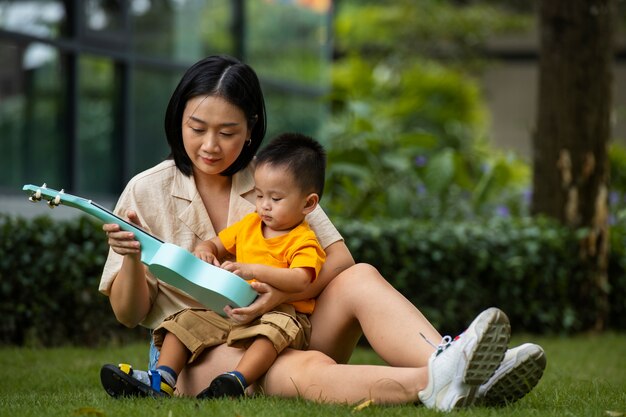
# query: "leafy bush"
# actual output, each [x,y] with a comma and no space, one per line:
[452,270]
[50,270]
[408,141]
[49,276]
[407,136]
[617,197]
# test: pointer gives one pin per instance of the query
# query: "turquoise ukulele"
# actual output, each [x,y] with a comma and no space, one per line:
[211,286]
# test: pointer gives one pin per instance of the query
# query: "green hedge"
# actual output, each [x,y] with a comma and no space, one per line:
[527,267]
[49,276]
[50,270]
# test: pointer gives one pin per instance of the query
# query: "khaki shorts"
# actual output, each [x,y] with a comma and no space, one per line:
[200,329]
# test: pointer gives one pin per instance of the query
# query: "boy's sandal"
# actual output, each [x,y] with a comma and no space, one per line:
[225,385]
[118,382]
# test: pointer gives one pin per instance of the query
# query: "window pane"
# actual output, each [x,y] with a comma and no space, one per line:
[289,41]
[89,134]
[11,114]
[33,146]
[294,113]
[44,18]
[97,161]
[181,30]
[104,16]
[151,94]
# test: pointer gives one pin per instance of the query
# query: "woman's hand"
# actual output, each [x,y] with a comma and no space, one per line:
[269,297]
[129,294]
[123,242]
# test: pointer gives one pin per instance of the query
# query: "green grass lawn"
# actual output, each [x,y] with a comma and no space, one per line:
[586,376]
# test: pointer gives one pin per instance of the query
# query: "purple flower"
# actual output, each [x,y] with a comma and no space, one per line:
[527,196]
[420,161]
[502,211]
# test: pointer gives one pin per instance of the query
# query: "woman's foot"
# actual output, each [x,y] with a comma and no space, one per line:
[520,371]
[460,366]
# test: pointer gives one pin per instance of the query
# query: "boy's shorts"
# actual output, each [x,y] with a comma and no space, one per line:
[200,329]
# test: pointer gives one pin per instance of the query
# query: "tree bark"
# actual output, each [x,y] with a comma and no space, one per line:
[570,145]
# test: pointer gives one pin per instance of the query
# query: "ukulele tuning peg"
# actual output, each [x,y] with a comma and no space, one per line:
[56,201]
[36,196]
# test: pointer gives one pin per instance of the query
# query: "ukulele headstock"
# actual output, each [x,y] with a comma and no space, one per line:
[53,197]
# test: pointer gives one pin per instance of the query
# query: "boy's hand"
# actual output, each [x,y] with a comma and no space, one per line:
[206,256]
[239,269]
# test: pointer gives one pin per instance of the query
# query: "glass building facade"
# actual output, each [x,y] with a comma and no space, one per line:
[84,83]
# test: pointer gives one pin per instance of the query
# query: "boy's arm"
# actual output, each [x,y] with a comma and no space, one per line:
[338,259]
[290,280]
[210,251]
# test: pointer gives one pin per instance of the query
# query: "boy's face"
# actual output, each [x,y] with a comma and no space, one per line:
[280,203]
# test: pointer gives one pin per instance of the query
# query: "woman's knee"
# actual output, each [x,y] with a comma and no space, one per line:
[354,277]
[301,360]
[292,369]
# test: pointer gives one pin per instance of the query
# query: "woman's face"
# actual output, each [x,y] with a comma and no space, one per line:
[214,133]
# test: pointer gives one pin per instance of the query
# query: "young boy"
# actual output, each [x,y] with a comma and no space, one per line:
[273,245]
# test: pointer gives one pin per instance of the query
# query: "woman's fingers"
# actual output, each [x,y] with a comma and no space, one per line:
[121,241]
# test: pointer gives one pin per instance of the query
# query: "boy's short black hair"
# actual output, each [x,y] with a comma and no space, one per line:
[302,155]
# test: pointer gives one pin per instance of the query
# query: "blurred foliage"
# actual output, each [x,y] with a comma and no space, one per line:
[408,141]
[49,277]
[294,51]
[450,270]
[408,28]
[408,132]
[617,196]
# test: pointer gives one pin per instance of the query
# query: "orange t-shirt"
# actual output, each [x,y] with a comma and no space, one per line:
[297,249]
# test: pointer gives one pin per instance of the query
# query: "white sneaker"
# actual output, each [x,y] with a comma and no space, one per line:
[459,367]
[520,371]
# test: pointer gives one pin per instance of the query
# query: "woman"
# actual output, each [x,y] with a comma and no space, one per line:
[215,122]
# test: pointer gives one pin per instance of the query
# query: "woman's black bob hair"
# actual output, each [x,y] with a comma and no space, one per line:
[225,77]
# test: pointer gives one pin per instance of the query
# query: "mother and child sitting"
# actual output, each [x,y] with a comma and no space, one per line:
[217,175]
[274,245]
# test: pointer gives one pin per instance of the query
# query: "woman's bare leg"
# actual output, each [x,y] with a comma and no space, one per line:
[314,376]
[212,362]
[311,375]
[357,300]
[360,301]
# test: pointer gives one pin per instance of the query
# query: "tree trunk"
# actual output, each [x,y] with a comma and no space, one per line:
[571,169]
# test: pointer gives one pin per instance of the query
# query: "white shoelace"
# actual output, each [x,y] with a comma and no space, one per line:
[445,343]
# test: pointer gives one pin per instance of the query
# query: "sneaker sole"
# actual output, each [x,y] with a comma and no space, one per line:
[519,380]
[119,384]
[492,331]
